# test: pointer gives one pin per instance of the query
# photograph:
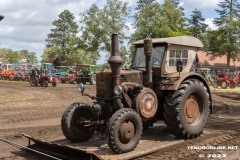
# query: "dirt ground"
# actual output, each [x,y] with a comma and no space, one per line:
[37,111]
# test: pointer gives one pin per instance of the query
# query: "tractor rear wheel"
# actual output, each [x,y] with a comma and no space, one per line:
[45,83]
[186,110]
[125,129]
[232,85]
[73,122]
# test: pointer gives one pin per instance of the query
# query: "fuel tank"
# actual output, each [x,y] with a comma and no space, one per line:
[104,81]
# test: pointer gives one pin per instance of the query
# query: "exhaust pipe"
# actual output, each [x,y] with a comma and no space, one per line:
[115,62]
[148,53]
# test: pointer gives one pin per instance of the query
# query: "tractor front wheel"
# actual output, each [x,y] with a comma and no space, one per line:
[224,84]
[186,110]
[73,122]
[45,83]
[33,81]
[215,85]
[93,79]
[54,84]
[125,129]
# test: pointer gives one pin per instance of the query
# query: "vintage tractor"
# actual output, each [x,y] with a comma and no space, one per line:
[206,73]
[37,77]
[158,86]
[86,73]
[224,80]
[65,74]
[48,70]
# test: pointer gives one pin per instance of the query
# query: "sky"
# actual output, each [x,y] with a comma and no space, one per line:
[28,22]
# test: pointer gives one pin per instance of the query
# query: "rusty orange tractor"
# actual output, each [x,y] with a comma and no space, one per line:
[159,86]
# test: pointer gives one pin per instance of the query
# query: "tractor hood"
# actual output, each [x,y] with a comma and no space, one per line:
[104,81]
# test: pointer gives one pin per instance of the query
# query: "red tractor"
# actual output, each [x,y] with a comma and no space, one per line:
[42,79]
[224,81]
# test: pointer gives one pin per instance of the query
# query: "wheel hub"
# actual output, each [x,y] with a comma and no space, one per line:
[127,131]
[224,84]
[147,106]
[191,109]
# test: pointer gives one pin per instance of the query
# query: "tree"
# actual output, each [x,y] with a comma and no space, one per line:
[196,24]
[99,24]
[146,18]
[156,20]
[228,29]
[31,56]
[80,56]
[63,42]
[143,3]
[173,19]
[91,28]
[11,56]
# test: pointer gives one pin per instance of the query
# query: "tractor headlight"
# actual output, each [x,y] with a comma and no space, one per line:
[81,87]
[118,90]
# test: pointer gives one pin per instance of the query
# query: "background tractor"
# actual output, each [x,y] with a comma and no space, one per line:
[224,80]
[43,76]
[206,73]
[159,86]
[86,73]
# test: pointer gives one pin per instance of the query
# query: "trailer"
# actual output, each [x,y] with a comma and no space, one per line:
[96,148]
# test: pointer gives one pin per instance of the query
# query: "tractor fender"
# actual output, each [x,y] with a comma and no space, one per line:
[174,81]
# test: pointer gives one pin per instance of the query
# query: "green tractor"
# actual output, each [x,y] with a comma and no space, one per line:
[206,73]
[86,73]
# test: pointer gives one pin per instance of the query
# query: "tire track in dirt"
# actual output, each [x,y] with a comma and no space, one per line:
[39,114]
[35,111]
[223,128]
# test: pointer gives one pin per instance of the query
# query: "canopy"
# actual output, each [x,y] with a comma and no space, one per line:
[180,40]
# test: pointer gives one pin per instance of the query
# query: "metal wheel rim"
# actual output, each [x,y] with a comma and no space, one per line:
[78,119]
[224,84]
[126,132]
[191,109]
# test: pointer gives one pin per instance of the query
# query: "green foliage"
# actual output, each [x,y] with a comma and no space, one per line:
[173,19]
[158,21]
[11,56]
[78,57]
[143,3]
[99,24]
[91,28]
[31,56]
[126,58]
[65,32]
[196,24]
[64,44]
[227,35]
[146,21]
[50,54]
[106,65]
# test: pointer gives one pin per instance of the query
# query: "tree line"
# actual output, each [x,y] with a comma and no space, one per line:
[7,54]
[81,41]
